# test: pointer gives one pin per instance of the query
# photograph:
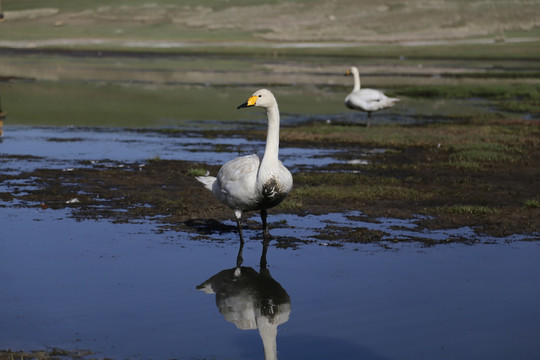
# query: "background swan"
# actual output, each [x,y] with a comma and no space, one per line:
[368,100]
[249,183]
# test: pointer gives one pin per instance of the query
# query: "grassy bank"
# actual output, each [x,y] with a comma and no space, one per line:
[476,173]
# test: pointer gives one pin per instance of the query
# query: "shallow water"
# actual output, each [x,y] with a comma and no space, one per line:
[27,148]
[122,290]
[129,290]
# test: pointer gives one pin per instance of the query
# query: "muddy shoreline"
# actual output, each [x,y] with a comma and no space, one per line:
[166,192]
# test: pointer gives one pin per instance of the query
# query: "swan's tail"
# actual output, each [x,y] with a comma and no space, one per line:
[389,102]
[206,287]
[207,181]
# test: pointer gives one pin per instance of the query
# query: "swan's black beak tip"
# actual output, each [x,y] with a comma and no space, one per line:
[244,105]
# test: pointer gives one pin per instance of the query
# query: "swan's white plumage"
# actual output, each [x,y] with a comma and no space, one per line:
[236,182]
[249,182]
[368,100]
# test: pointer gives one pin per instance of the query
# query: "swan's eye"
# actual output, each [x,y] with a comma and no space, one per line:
[260,95]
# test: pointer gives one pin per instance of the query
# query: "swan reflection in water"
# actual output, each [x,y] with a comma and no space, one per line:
[251,300]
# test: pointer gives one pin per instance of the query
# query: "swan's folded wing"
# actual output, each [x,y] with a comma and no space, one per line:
[371,95]
[239,168]
[369,100]
[235,185]
[362,99]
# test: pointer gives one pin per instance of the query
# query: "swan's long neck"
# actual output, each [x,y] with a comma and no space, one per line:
[268,333]
[356,76]
[272,137]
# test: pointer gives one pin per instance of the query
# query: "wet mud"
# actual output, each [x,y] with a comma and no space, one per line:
[166,192]
[49,354]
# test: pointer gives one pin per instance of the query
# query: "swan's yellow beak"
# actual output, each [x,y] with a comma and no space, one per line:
[250,102]
[347,73]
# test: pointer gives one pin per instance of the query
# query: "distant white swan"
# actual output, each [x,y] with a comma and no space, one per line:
[249,183]
[368,100]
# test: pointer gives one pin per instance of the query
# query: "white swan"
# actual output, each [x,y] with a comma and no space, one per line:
[368,100]
[251,300]
[249,183]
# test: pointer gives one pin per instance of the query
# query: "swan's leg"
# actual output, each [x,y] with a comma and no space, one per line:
[368,118]
[263,255]
[266,238]
[239,225]
[266,233]
[239,259]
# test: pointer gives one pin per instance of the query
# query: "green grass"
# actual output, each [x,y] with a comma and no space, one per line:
[124,105]
[473,144]
[291,204]
[479,155]
[351,187]
[197,172]
[531,204]
[469,210]
[527,92]
[344,193]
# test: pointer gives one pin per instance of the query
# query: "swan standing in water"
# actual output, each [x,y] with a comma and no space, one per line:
[248,183]
[368,100]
